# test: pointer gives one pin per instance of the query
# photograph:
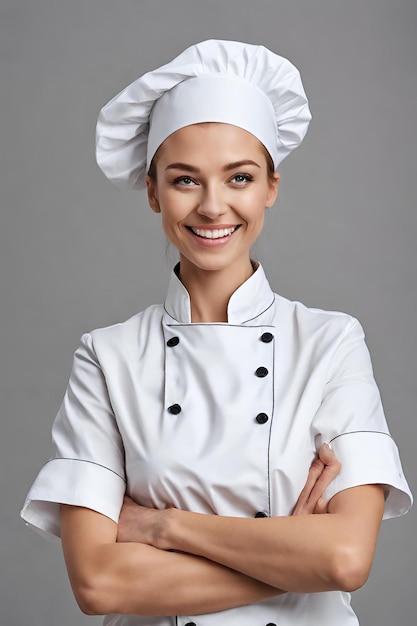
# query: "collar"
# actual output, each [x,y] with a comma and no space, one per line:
[251,299]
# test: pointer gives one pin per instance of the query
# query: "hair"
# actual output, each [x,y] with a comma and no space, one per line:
[153,164]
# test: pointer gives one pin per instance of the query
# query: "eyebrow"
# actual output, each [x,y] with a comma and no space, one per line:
[195,170]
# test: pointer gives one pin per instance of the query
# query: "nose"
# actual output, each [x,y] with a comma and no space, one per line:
[212,204]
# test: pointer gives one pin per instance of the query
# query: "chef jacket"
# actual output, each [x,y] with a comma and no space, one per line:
[220,418]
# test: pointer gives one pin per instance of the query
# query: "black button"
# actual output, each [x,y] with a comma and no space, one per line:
[174,341]
[262,418]
[261,372]
[267,337]
[190,624]
[261,514]
[271,624]
[174,409]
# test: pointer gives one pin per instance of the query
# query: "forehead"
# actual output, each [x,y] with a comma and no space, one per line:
[206,136]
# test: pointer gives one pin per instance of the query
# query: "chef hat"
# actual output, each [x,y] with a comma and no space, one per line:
[213,81]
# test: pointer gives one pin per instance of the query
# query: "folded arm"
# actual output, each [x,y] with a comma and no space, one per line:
[302,553]
[308,553]
[139,579]
[174,562]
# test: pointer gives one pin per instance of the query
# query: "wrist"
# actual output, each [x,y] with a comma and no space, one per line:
[164,538]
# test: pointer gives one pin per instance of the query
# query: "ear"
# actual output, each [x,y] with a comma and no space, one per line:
[273,182]
[152,195]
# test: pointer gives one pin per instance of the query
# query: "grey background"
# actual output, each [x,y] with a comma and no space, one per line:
[76,253]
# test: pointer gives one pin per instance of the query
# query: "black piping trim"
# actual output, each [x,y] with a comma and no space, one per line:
[354,432]
[270,430]
[181,324]
[167,312]
[261,313]
[64,458]
[220,323]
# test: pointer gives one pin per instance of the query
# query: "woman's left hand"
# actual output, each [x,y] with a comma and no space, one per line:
[322,471]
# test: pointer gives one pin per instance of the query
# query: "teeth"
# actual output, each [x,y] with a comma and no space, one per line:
[214,233]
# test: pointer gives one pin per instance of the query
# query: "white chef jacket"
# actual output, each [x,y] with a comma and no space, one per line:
[220,418]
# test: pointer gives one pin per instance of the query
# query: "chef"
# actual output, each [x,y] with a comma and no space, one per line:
[208,411]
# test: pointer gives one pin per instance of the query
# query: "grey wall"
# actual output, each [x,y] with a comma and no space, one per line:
[77,253]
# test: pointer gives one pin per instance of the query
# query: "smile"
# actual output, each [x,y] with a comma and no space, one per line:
[214,233]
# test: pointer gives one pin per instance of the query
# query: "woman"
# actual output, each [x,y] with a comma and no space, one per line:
[186,433]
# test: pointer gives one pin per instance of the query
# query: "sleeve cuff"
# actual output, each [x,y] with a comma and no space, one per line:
[371,458]
[75,482]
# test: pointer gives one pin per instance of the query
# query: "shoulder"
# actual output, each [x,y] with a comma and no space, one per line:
[307,322]
[122,336]
[310,315]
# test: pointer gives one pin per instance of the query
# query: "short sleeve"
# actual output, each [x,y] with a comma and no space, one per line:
[88,467]
[351,419]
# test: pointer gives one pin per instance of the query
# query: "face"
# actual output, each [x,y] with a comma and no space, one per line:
[212,187]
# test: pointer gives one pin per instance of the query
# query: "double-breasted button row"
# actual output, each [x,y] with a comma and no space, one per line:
[261,372]
[262,418]
[174,409]
[174,341]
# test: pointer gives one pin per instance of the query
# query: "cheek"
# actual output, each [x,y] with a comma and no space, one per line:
[260,218]
[260,194]
[252,208]
[168,223]
[172,218]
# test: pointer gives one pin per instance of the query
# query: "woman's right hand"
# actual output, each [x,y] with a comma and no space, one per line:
[321,473]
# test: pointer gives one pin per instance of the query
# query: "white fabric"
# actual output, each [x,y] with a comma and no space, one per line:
[214,98]
[213,456]
[231,82]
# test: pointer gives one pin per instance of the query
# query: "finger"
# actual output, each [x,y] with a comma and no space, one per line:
[314,473]
[323,470]
[321,506]
[329,473]
[327,455]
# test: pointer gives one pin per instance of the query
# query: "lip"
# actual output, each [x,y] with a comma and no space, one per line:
[212,226]
[207,242]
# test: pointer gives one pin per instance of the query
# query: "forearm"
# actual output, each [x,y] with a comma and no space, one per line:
[288,552]
[139,579]
[305,554]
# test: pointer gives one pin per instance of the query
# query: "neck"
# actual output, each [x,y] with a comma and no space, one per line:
[211,290]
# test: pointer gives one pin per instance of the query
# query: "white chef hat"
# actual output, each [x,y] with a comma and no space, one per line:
[213,81]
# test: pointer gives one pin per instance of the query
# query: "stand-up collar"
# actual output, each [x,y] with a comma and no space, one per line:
[251,299]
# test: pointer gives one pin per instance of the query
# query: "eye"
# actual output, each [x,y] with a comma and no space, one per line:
[184,181]
[242,179]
